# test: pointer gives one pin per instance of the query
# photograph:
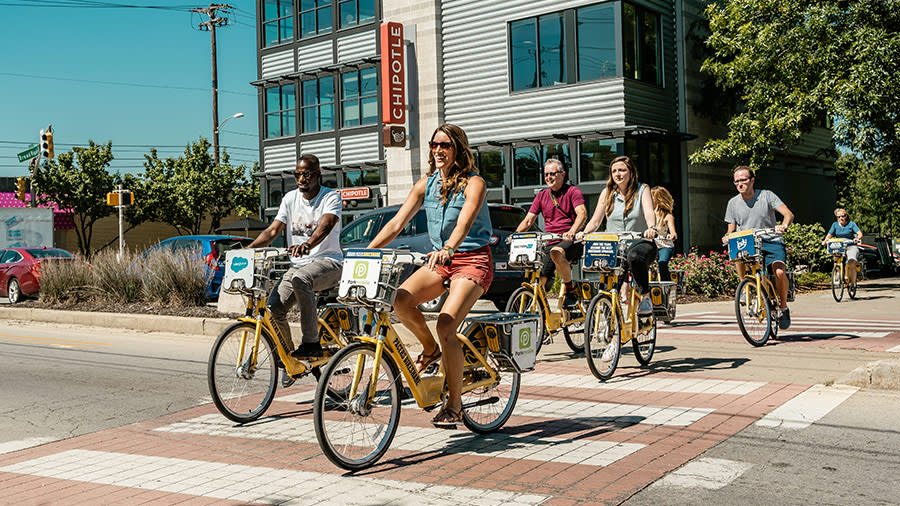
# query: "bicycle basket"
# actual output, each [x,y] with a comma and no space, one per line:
[661,292]
[526,250]
[836,247]
[601,252]
[371,276]
[741,244]
[253,269]
[512,339]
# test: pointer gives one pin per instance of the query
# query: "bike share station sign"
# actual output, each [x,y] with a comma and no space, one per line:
[362,268]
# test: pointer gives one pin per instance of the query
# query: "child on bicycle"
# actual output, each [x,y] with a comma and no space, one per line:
[459,227]
[663,204]
[562,206]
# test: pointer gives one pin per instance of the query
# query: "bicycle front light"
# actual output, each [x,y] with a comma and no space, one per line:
[238,284]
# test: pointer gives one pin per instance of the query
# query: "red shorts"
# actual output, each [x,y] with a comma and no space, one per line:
[477,265]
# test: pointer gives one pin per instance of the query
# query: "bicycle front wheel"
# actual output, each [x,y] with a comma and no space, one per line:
[644,344]
[574,332]
[753,311]
[837,283]
[242,383]
[602,338]
[523,301]
[355,431]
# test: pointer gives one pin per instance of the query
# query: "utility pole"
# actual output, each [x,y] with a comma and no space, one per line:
[214,21]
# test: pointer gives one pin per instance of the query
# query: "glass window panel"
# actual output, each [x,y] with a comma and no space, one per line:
[366,10]
[596,35]
[287,29]
[369,111]
[348,13]
[324,18]
[596,156]
[273,125]
[351,113]
[372,177]
[350,84]
[369,81]
[285,8]
[523,52]
[310,119]
[273,99]
[271,9]
[352,177]
[649,48]
[552,49]
[527,166]
[308,23]
[310,92]
[629,27]
[558,151]
[271,34]
[306,5]
[287,97]
[289,122]
[326,89]
[326,116]
[491,165]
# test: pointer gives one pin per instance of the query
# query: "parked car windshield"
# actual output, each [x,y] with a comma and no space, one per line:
[506,217]
[48,253]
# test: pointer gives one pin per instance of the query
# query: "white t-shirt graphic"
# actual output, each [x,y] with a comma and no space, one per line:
[302,216]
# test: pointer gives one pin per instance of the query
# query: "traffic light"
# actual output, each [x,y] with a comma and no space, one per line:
[46,144]
[20,188]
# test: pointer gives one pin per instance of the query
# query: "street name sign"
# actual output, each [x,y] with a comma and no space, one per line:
[29,153]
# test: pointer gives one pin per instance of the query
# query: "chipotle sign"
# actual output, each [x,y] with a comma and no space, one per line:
[393,77]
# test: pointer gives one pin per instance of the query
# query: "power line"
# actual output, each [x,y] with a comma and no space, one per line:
[119,83]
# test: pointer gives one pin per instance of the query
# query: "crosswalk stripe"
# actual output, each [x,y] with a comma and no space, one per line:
[793,330]
[14,446]
[708,473]
[808,407]
[657,384]
[425,439]
[812,320]
[251,484]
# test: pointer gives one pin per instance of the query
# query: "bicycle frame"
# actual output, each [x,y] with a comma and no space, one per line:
[555,320]
[755,272]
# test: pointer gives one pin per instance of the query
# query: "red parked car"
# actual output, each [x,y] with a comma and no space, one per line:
[20,270]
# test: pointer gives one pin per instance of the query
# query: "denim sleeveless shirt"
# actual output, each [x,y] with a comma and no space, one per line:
[442,218]
[634,221]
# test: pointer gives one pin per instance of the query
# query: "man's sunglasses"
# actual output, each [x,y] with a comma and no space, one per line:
[305,175]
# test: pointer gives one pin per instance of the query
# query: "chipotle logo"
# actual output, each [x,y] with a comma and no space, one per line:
[393,76]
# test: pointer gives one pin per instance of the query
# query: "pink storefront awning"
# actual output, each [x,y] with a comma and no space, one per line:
[62,220]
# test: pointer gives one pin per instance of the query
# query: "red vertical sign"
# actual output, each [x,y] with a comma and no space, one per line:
[393,77]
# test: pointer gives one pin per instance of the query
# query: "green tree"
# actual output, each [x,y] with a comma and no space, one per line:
[79,180]
[184,191]
[870,192]
[795,63]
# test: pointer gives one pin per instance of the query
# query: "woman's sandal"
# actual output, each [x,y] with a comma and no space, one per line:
[447,418]
[423,361]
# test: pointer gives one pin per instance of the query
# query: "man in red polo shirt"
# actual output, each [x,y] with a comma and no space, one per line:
[562,206]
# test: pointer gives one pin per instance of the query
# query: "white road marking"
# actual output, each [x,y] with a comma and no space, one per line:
[252,484]
[14,446]
[793,330]
[808,407]
[705,473]
[650,384]
[425,439]
[895,349]
[815,321]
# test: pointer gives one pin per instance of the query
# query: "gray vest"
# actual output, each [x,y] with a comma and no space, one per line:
[634,221]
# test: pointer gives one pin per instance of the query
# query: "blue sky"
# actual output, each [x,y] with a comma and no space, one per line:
[57,63]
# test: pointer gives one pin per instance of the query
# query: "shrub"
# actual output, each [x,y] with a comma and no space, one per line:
[65,281]
[710,275]
[812,279]
[803,244]
[178,278]
[116,280]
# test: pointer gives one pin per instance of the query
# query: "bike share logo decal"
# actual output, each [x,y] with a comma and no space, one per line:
[239,264]
[360,270]
[524,338]
[742,243]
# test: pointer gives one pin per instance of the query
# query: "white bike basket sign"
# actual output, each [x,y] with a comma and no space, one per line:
[238,265]
[362,267]
[523,248]
[523,344]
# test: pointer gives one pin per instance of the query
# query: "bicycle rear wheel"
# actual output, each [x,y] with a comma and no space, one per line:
[488,408]
[644,344]
[352,432]
[523,301]
[837,283]
[753,311]
[602,338]
[242,388]
[851,288]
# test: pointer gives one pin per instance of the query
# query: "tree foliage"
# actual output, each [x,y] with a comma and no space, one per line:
[78,180]
[185,191]
[795,63]
[870,192]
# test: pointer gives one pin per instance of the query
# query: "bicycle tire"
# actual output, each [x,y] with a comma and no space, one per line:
[755,322]
[351,435]
[644,348]
[236,389]
[602,330]
[837,283]
[574,332]
[487,409]
[522,301]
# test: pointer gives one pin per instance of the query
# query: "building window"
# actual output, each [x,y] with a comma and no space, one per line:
[596,35]
[281,112]
[279,22]
[491,166]
[315,17]
[359,97]
[640,40]
[363,177]
[595,157]
[538,51]
[528,163]
[356,12]
[318,104]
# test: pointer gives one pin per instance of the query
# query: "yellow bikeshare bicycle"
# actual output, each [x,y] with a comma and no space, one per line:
[356,410]
[527,251]
[246,357]
[609,325]
[840,278]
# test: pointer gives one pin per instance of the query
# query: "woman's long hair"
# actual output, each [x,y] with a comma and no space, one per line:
[463,163]
[663,203]
[630,191]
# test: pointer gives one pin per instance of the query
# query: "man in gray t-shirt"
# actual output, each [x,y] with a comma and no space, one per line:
[750,209]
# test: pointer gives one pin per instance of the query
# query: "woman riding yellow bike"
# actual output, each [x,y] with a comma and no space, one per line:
[843,228]
[459,227]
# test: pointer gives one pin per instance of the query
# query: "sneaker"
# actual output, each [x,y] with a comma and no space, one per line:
[784,320]
[645,308]
[286,379]
[308,350]
[570,300]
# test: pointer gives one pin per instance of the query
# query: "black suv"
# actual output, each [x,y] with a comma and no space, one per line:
[504,218]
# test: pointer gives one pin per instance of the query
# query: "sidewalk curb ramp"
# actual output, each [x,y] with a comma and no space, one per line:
[882,374]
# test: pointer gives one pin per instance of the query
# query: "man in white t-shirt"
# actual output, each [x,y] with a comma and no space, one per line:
[313,213]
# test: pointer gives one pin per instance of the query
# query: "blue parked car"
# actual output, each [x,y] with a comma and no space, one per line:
[212,250]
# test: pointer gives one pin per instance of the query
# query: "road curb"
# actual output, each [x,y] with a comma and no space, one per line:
[882,375]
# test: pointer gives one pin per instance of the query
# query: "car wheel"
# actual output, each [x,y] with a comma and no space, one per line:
[433,305]
[14,291]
